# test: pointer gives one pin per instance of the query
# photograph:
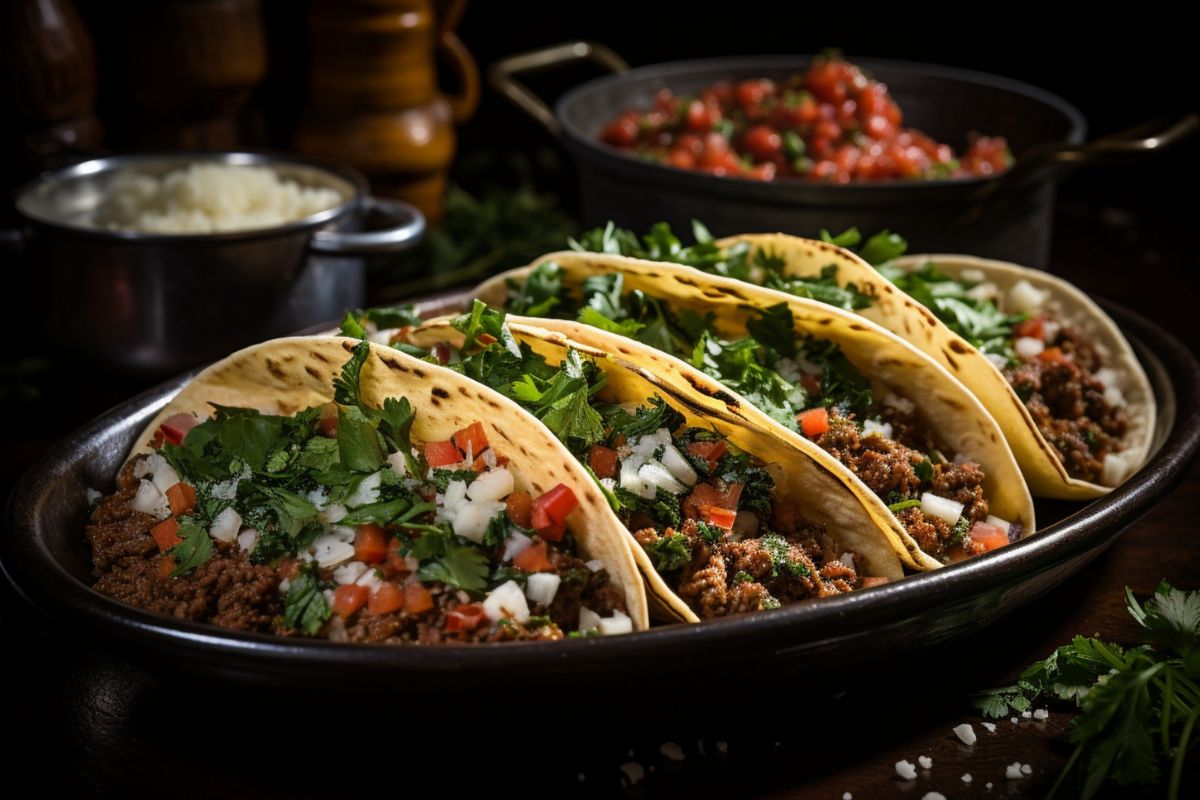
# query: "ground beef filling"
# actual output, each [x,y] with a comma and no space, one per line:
[732,576]
[888,468]
[1067,404]
[231,592]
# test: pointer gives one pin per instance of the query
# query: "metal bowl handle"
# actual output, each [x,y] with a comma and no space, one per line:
[502,74]
[406,231]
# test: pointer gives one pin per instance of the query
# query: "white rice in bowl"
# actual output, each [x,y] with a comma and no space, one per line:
[208,198]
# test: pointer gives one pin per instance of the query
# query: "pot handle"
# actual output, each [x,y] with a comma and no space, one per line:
[502,74]
[408,226]
[1139,140]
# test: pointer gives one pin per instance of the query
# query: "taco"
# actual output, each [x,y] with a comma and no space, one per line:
[339,489]
[917,448]
[722,517]
[1044,359]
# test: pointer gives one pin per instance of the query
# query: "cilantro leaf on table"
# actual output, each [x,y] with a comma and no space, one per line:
[305,608]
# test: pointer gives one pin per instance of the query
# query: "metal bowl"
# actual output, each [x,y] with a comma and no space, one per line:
[45,556]
[1007,216]
[159,303]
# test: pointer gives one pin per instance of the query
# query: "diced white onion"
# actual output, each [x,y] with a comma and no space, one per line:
[350,572]
[342,532]
[332,514]
[1107,375]
[507,601]
[226,490]
[370,579]
[366,492]
[92,496]
[398,464]
[847,559]
[1050,330]
[678,466]
[656,476]
[515,543]
[631,481]
[1028,346]
[284,585]
[541,587]
[143,467]
[164,475]
[1114,396]
[318,497]
[329,551]
[595,565]
[615,625]
[901,404]
[983,292]
[247,539]
[1024,297]
[149,500]
[472,520]
[1116,469]
[609,483]
[226,525]
[588,620]
[456,495]
[495,484]
[973,275]
[998,361]
[873,428]
[379,336]
[943,508]
[1002,524]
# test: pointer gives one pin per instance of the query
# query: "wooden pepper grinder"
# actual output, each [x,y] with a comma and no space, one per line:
[190,68]
[375,101]
[49,86]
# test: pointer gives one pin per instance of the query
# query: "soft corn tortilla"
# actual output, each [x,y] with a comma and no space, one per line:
[890,362]
[1038,459]
[632,378]
[284,376]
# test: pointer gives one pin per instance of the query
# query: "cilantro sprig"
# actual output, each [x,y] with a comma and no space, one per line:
[1139,705]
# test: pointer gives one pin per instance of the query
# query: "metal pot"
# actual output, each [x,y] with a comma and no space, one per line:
[1007,217]
[154,304]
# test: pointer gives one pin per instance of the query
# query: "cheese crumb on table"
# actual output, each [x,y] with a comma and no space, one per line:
[991,727]
[934,796]
[906,770]
[925,761]
[965,733]
[1041,713]
[672,751]
[1013,770]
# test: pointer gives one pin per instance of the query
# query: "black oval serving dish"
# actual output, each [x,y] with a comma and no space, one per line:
[46,558]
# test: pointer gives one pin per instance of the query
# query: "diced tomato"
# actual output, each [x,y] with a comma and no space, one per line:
[957,553]
[602,460]
[350,598]
[813,422]
[1031,328]
[442,454]
[471,439]
[1052,355]
[181,498]
[621,132]
[681,159]
[442,352]
[539,518]
[867,583]
[287,568]
[387,598]
[370,544]
[762,142]
[721,517]
[327,425]
[988,536]
[165,567]
[396,564]
[722,495]
[709,451]
[557,503]
[465,618]
[175,427]
[518,506]
[533,558]
[553,532]
[417,599]
[700,117]
[166,534]
[751,94]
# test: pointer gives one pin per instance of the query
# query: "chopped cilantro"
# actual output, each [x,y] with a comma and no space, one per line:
[305,608]
[669,553]
[195,548]
[442,478]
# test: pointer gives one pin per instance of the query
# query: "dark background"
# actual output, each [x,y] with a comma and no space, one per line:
[78,716]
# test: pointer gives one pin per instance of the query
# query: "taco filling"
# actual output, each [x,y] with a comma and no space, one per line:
[1074,399]
[334,523]
[809,386]
[705,512]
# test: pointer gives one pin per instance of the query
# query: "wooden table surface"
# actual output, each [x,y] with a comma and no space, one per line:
[80,717]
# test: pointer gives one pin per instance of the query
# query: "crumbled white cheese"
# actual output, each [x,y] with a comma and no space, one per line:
[847,796]
[966,778]
[965,733]
[1026,769]
[991,727]
[1041,713]
[633,771]
[1024,297]
[934,796]
[925,761]
[1026,715]
[1013,720]
[1013,771]
[873,428]
[905,769]
[672,751]
[93,496]
[723,747]
[1028,346]
[318,497]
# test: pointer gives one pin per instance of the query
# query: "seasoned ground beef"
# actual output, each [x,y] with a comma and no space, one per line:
[731,577]
[231,592]
[1068,406]
[888,468]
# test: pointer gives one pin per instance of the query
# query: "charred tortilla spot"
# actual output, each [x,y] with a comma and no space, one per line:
[463,391]
[731,292]
[420,373]
[960,347]
[826,321]
[950,360]
[491,402]
[887,288]
[435,401]
[316,373]
[854,326]
[274,368]
[684,281]
[319,357]
[438,391]
[713,392]
[392,363]
[501,432]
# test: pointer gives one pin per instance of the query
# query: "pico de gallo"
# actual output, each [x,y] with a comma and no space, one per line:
[833,123]
[705,512]
[334,523]
[809,386]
